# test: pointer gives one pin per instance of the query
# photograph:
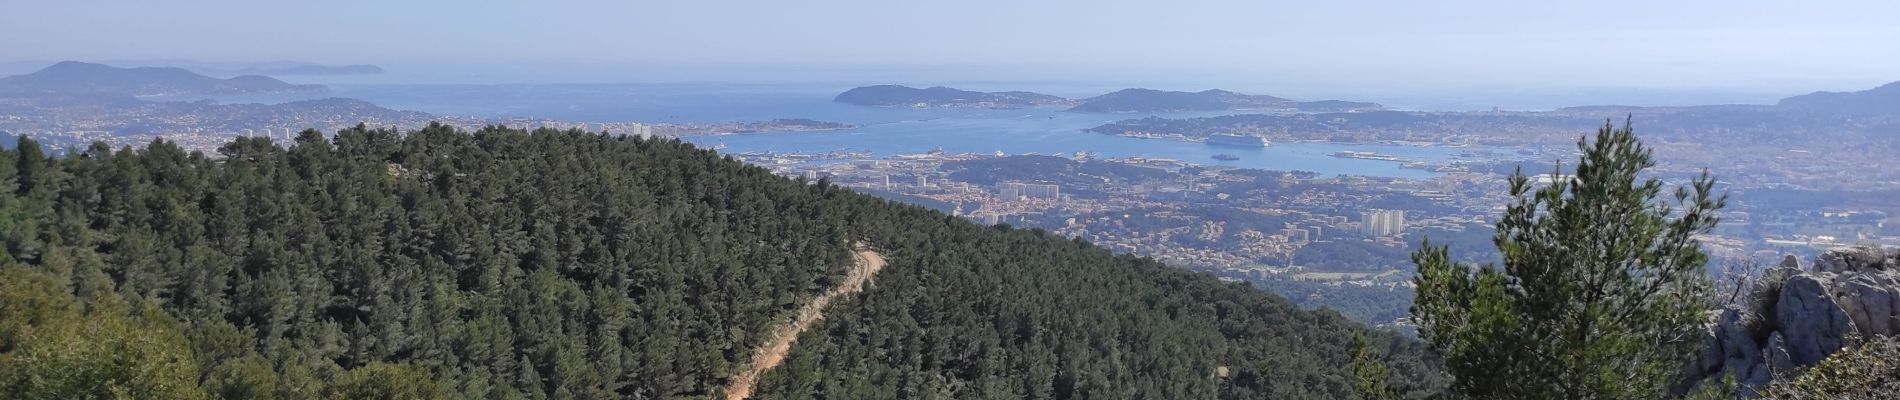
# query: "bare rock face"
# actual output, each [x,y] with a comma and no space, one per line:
[1874,302]
[1777,354]
[1730,348]
[1811,319]
[1847,295]
[1854,260]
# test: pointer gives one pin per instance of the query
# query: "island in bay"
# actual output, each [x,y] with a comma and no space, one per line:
[1160,101]
[944,97]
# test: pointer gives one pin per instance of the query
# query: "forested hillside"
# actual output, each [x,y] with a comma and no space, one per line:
[562,264]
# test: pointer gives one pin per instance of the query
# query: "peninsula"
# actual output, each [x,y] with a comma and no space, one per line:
[1158,101]
[944,97]
[73,77]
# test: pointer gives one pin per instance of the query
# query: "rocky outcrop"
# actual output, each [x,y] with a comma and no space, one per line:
[1793,324]
[1811,320]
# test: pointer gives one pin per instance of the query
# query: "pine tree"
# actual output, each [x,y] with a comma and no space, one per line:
[30,164]
[1368,370]
[381,381]
[1600,285]
[511,264]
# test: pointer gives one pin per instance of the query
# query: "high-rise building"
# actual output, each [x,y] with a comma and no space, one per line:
[1381,223]
[1295,235]
[1042,191]
[1031,190]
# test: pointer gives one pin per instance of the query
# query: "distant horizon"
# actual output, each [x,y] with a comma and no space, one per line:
[1423,96]
[1343,48]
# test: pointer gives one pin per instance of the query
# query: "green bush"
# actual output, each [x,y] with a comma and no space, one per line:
[52,346]
[380,381]
[1869,372]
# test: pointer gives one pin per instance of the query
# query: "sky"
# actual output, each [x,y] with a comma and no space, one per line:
[1338,45]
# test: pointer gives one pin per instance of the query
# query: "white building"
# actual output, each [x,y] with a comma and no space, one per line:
[1042,191]
[1381,223]
[1031,190]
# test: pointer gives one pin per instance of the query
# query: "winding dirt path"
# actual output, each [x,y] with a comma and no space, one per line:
[772,352]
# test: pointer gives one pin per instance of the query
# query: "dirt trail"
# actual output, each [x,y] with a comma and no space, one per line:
[769,355]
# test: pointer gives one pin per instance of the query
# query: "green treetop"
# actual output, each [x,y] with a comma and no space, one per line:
[1601,283]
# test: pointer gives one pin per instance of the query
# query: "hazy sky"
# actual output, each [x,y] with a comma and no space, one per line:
[1743,44]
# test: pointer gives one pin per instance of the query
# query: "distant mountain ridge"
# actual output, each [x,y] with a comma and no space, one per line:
[942,97]
[73,77]
[1880,100]
[1150,101]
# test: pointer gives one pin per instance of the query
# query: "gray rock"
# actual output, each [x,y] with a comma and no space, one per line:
[1854,259]
[1739,350]
[1869,303]
[1780,363]
[1756,378]
[1730,350]
[1810,320]
[1709,360]
[1789,262]
[1847,294]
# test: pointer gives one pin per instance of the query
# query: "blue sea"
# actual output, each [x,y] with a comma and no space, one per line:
[883,131]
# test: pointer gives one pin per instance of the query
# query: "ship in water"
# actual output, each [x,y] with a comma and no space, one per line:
[1228,139]
[1367,155]
[1226,157]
